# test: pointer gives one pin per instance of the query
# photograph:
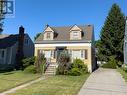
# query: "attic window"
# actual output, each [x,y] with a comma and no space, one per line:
[75,34]
[48,35]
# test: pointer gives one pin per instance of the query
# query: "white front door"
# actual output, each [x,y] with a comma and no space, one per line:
[47,54]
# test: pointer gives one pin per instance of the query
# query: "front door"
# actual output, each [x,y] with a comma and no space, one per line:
[59,50]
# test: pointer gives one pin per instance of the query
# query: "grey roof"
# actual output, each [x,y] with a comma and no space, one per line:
[3,36]
[8,41]
[63,34]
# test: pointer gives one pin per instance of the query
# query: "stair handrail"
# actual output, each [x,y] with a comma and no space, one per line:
[48,62]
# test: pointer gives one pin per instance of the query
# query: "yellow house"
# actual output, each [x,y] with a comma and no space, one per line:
[78,40]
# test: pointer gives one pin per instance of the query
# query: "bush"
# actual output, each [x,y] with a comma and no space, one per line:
[64,63]
[40,63]
[124,67]
[75,72]
[112,63]
[6,67]
[78,63]
[28,61]
[30,69]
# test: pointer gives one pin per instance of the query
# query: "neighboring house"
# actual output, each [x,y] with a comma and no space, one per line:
[125,44]
[77,40]
[9,45]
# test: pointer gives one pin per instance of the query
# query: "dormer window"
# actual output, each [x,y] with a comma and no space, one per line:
[75,34]
[48,35]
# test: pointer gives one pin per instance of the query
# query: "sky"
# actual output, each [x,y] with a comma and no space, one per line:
[33,15]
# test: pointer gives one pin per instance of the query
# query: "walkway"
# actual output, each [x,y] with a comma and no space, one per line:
[104,82]
[21,86]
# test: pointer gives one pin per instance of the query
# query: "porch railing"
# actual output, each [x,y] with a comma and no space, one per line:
[48,62]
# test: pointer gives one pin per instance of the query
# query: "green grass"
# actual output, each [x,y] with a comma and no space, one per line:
[56,85]
[12,79]
[123,73]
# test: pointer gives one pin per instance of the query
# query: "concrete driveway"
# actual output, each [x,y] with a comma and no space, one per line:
[104,82]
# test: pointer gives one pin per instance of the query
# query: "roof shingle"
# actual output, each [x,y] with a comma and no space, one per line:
[64,33]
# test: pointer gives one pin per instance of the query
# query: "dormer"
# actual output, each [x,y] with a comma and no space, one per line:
[48,33]
[75,33]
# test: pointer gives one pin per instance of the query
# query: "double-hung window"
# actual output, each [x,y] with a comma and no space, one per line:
[48,35]
[2,54]
[75,34]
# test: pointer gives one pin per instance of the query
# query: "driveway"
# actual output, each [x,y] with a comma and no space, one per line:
[104,82]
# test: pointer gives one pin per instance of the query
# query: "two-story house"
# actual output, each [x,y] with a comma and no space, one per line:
[78,40]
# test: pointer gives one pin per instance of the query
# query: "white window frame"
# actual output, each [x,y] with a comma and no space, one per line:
[75,34]
[48,35]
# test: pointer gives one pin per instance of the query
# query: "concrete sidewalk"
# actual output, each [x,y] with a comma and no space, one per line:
[12,90]
[104,82]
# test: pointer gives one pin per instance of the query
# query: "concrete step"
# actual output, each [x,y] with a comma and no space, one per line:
[51,70]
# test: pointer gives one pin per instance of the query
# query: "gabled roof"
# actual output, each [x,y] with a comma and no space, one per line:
[63,33]
[8,41]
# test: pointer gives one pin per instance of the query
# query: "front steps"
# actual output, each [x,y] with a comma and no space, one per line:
[51,70]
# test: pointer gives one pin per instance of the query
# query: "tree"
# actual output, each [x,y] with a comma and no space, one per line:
[1,16]
[37,35]
[112,35]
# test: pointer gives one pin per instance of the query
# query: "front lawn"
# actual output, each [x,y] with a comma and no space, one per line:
[56,85]
[14,78]
[123,73]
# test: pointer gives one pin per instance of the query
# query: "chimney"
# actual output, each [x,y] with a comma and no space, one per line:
[21,30]
[21,39]
[20,52]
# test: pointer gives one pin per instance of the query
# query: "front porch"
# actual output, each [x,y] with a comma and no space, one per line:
[52,55]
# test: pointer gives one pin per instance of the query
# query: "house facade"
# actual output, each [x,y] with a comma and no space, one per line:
[78,40]
[9,47]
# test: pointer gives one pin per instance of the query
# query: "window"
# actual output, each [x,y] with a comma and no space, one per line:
[70,52]
[86,54]
[48,35]
[47,53]
[82,53]
[76,54]
[75,34]
[26,41]
[2,53]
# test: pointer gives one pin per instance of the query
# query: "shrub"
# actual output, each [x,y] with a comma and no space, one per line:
[78,63]
[119,64]
[64,63]
[40,63]
[30,69]
[6,67]
[112,63]
[75,72]
[28,61]
[124,67]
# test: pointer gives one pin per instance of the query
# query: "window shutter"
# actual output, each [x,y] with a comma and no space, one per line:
[86,54]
